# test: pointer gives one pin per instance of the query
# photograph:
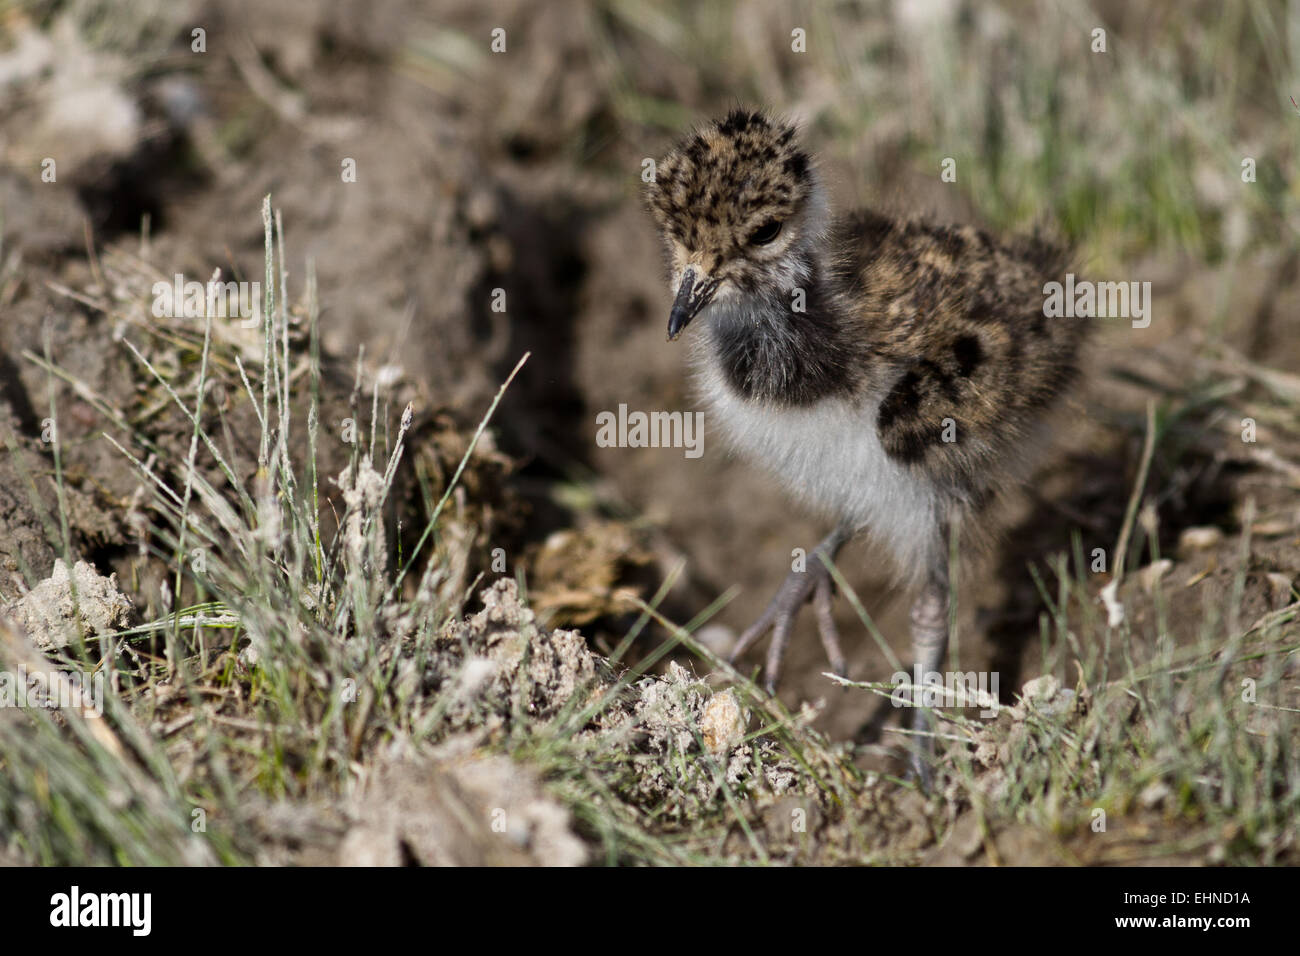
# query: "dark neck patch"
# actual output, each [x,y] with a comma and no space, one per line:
[768,352]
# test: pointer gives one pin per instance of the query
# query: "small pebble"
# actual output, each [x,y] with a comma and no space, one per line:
[723,723]
[1150,576]
[1198,539]
[1279,590]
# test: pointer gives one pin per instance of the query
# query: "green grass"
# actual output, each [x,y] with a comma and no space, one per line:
[297,655]
[326,649]
[312,638]
[1132,151]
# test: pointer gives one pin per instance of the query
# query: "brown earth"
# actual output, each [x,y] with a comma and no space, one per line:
[472,177]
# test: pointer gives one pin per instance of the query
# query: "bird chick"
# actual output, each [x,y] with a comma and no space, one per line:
[890,373]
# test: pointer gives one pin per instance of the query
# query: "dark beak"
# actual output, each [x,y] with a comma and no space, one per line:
[692,296]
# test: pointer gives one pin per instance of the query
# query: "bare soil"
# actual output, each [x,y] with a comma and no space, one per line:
[472,179]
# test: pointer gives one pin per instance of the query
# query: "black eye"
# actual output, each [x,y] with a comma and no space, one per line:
[765,233]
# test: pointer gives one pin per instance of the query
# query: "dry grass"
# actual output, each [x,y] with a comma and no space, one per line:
[306,648]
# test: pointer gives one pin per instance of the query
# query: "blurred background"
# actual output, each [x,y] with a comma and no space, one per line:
[1159,138]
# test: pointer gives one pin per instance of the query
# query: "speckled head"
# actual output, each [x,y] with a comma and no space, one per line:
[739,208]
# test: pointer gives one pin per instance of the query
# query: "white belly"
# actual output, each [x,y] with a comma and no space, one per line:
[829,456]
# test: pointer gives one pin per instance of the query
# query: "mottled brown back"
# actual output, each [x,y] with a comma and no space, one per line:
[961,316]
